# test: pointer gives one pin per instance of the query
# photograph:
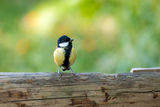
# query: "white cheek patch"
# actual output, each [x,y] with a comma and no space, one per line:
[64,44]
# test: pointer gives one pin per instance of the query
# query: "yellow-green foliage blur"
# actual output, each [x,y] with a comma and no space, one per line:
[111,36]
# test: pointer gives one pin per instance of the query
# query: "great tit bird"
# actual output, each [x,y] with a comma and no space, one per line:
[64,55]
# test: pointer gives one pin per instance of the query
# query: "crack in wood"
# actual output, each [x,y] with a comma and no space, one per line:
[44,99]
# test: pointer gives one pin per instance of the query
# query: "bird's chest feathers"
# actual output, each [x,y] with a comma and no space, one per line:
[61,56]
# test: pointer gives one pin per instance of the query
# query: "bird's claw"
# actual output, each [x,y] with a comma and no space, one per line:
[60,73]
[74,74]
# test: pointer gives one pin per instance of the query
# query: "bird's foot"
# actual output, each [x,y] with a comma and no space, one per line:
[59,72]
[73,73]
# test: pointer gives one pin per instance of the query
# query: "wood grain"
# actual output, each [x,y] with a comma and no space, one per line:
[82,90]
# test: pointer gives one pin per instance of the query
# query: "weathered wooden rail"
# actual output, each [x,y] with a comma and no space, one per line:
[139,89]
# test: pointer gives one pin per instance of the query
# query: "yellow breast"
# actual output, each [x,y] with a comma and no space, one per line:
[72,57]
[59,56]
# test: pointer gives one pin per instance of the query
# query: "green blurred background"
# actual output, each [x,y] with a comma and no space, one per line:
[111,36]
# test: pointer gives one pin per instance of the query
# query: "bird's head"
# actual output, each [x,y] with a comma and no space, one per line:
[64,41]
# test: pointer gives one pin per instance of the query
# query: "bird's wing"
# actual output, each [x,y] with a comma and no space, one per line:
[59,56]
[72,57]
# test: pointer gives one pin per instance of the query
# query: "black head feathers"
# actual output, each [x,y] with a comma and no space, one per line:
[64,39]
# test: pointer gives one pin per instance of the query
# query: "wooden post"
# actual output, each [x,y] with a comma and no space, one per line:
[139,89]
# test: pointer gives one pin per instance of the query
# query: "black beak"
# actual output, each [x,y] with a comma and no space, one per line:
[72,40]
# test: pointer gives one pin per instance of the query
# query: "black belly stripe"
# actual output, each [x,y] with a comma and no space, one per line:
[67,55]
